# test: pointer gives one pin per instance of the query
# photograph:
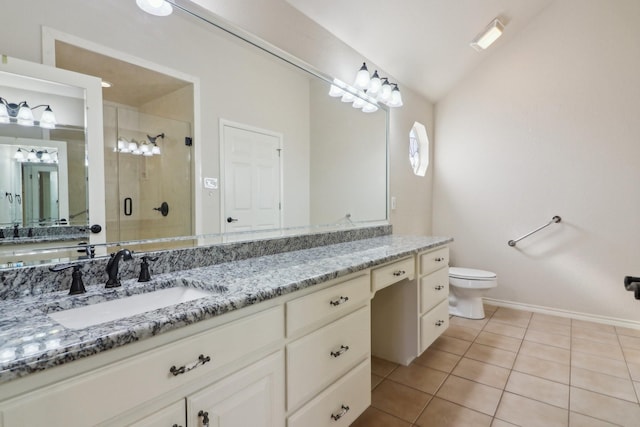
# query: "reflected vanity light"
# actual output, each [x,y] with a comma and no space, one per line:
[489,35]
[367,91]
[22,114]
[155,7]
[144,148]
[35,155]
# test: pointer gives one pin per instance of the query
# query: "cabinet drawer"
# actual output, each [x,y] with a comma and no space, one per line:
[433,289]
[433,324]
[345,400]
[112,390]
[173,415]
[434,260]
[318,359]
[327,303]
[392,273]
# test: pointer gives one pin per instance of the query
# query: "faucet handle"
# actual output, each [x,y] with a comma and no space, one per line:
[77,286]
[145,275]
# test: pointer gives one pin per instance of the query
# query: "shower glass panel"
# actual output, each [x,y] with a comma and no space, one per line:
[147,165]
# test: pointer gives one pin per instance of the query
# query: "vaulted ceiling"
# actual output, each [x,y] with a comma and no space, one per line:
[422,43]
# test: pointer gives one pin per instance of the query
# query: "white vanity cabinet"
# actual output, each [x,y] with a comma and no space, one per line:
[101,396]
[328,357]
[408,315]
[253,396]
[434,295]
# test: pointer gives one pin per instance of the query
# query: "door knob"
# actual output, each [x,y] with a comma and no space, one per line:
[230,220]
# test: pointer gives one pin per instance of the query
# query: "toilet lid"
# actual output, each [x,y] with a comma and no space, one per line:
[470,273]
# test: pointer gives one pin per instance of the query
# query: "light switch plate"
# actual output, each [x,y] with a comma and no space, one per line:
[211,183]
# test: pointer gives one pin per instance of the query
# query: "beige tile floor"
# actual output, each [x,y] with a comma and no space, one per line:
[513,368]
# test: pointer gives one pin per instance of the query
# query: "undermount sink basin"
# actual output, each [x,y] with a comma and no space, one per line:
[94,314]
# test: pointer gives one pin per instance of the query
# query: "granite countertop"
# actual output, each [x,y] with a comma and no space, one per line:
[30,341]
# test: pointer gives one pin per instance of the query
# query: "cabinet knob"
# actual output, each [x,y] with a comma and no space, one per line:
[343,349]
[399,273]
[439,288]
[339,301]
[205,418]
[440,323]
[439,259]
[341,413]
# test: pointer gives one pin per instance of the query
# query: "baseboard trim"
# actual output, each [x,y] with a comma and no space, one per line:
[564,313]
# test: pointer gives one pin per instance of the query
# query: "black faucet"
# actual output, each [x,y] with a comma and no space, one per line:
[145,274]
[112,267]
[77,286]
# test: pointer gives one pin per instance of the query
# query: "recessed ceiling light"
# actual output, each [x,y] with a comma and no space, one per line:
[106,83]
[489,35]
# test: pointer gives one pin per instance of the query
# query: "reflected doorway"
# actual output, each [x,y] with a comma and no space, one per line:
[252,178]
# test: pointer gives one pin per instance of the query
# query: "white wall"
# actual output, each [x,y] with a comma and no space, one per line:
[548,125]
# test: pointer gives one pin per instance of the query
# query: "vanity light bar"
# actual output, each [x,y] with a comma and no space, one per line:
[367,91]
[22,114]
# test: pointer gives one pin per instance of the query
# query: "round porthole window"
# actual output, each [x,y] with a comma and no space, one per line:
[419,149]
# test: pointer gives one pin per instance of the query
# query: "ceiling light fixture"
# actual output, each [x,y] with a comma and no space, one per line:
[155,7]
[489,35]
[22,114]
[106,84]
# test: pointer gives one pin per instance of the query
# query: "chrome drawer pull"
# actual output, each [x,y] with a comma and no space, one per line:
[343,411]
[439,259]
[399,272]
[343,349]
[339,301]
[205,418]
[440,323]
[183,369]
[439,288]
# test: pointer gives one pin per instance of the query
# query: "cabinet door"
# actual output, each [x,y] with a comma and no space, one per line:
[171,416]
[254,397]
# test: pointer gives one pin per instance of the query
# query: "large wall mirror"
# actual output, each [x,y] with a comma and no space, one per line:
[202,133]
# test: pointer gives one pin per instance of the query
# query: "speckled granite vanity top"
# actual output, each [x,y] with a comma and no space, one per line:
[30,341]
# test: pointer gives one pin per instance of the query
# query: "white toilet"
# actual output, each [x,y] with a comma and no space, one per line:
[466,288]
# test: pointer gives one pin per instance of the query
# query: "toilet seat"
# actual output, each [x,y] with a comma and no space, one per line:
[470,274]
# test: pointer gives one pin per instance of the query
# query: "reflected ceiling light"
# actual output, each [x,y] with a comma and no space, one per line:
[22,114]
[106,84]
[143,148]
[489,35]
[155,7]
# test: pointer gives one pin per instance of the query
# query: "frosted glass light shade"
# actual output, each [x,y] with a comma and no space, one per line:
[4,113]
[25,115]
[396,97]
[385,91]
[155,7]
[362,77]
[369,108]
[375,84]
[48,119]
[19,156]
[155,150]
